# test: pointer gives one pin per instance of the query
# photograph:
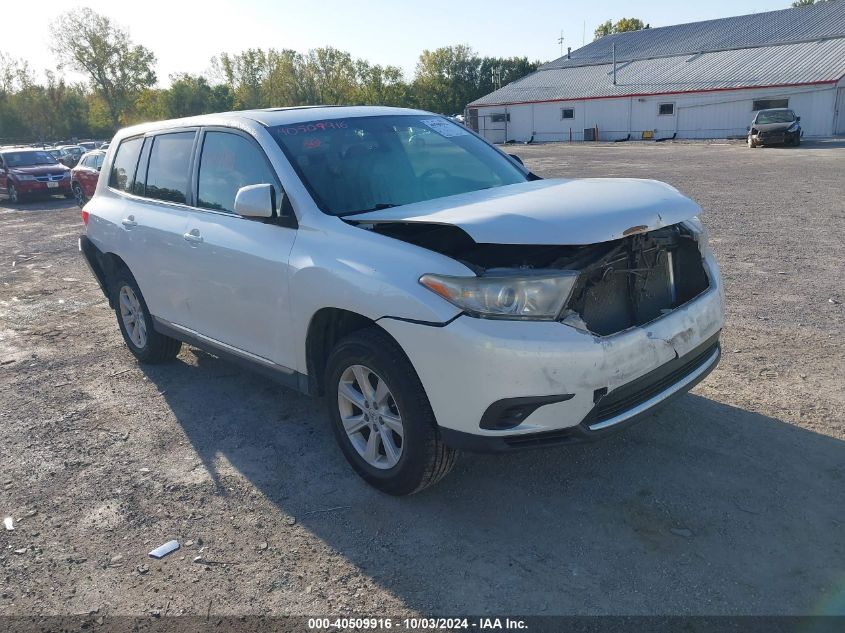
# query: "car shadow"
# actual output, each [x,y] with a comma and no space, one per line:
[41,203]
[703,508]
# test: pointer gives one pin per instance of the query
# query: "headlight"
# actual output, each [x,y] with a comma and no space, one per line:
[793,127]
[23,176]
[539,296]
[698,229]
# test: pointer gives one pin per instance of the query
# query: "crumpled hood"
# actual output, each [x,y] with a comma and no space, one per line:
[554,211]
[773,127]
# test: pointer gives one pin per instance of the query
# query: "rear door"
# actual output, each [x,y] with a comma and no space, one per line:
[238,267]
[154,220]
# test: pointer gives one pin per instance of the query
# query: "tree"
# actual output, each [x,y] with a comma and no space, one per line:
[445,78]
[807,3]
[605,28]
[117,68]
[622,25]
[190,95]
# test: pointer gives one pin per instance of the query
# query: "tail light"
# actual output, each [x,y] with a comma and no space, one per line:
[84,217]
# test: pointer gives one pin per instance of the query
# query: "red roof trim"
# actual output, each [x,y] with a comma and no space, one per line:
[654,94]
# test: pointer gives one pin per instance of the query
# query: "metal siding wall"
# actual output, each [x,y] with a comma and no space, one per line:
[698,115]
[520,127]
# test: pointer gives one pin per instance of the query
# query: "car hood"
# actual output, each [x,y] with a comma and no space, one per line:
[772,127]
[555,211]
[40,170]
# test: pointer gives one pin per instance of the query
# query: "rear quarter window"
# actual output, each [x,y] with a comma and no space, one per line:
[125,162]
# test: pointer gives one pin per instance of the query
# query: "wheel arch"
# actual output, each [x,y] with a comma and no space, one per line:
[326,328]
[105,267]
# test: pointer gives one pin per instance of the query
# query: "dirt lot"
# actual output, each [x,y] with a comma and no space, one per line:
[730,501]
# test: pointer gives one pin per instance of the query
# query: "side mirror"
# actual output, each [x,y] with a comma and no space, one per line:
[517,159]
[747,128]
[798,118]
[255,201]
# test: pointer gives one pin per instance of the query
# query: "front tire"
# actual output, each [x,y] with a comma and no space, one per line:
[12,193]
[751,143]
[136,325]
[381,416]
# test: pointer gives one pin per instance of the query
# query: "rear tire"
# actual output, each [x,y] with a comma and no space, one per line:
[392,399]
[136,324]
[78,194]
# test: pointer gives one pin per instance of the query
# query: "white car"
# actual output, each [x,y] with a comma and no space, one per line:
[436,292]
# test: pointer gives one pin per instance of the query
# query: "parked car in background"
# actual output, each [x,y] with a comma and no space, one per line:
[83,177]
[69,155]
[438,294]
[774,127]
[29,172]
[104,145]
[88,145]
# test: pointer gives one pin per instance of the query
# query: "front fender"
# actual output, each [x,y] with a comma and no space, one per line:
[366,273]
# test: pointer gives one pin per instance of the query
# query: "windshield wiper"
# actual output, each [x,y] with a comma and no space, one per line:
[378,207]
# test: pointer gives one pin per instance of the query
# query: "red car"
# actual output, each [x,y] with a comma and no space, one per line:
[83,177]
[27,172]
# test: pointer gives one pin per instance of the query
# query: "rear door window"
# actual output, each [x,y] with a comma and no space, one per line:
[169,167]
[123,166]
[229,162]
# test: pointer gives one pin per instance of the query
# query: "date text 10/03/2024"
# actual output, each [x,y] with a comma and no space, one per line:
[418,624]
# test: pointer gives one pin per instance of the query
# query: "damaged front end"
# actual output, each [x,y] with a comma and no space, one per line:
[612,286]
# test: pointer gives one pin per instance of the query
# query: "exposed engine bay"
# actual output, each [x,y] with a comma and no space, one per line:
[622,283]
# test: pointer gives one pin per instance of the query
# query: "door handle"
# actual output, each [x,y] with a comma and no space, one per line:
[193,237]
[129,222]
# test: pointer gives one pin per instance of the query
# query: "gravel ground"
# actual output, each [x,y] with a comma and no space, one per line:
[729,501]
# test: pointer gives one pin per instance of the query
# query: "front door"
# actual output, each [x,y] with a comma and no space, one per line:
[238,267]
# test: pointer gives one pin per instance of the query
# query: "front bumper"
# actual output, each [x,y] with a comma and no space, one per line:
[35,187]
[777,138]
[589,382]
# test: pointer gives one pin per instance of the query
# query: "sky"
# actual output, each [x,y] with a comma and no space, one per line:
[185,34]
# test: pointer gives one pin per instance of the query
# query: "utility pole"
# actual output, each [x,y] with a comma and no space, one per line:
[496,77]
[560,41]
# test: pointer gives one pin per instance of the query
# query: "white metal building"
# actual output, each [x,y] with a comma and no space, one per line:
[698,80]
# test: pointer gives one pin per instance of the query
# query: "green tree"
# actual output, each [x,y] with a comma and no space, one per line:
[245,73]
[807,3]
[605,28]
[191,94]
[622,25]
[117,68]
[446,78]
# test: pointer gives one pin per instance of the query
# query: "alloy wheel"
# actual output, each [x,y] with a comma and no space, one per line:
[370,417]
[77,193]
[132,314]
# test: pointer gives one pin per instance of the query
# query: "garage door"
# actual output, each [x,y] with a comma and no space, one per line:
[839,118]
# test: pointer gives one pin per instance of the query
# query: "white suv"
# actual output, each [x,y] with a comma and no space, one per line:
[437,293]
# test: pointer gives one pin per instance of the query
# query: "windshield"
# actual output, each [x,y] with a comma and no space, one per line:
[365,163]
[28,159]
[775,116]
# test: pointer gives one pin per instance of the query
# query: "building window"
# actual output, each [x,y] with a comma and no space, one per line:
[500,118]
[667,109]
[767,104]
[567,113]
